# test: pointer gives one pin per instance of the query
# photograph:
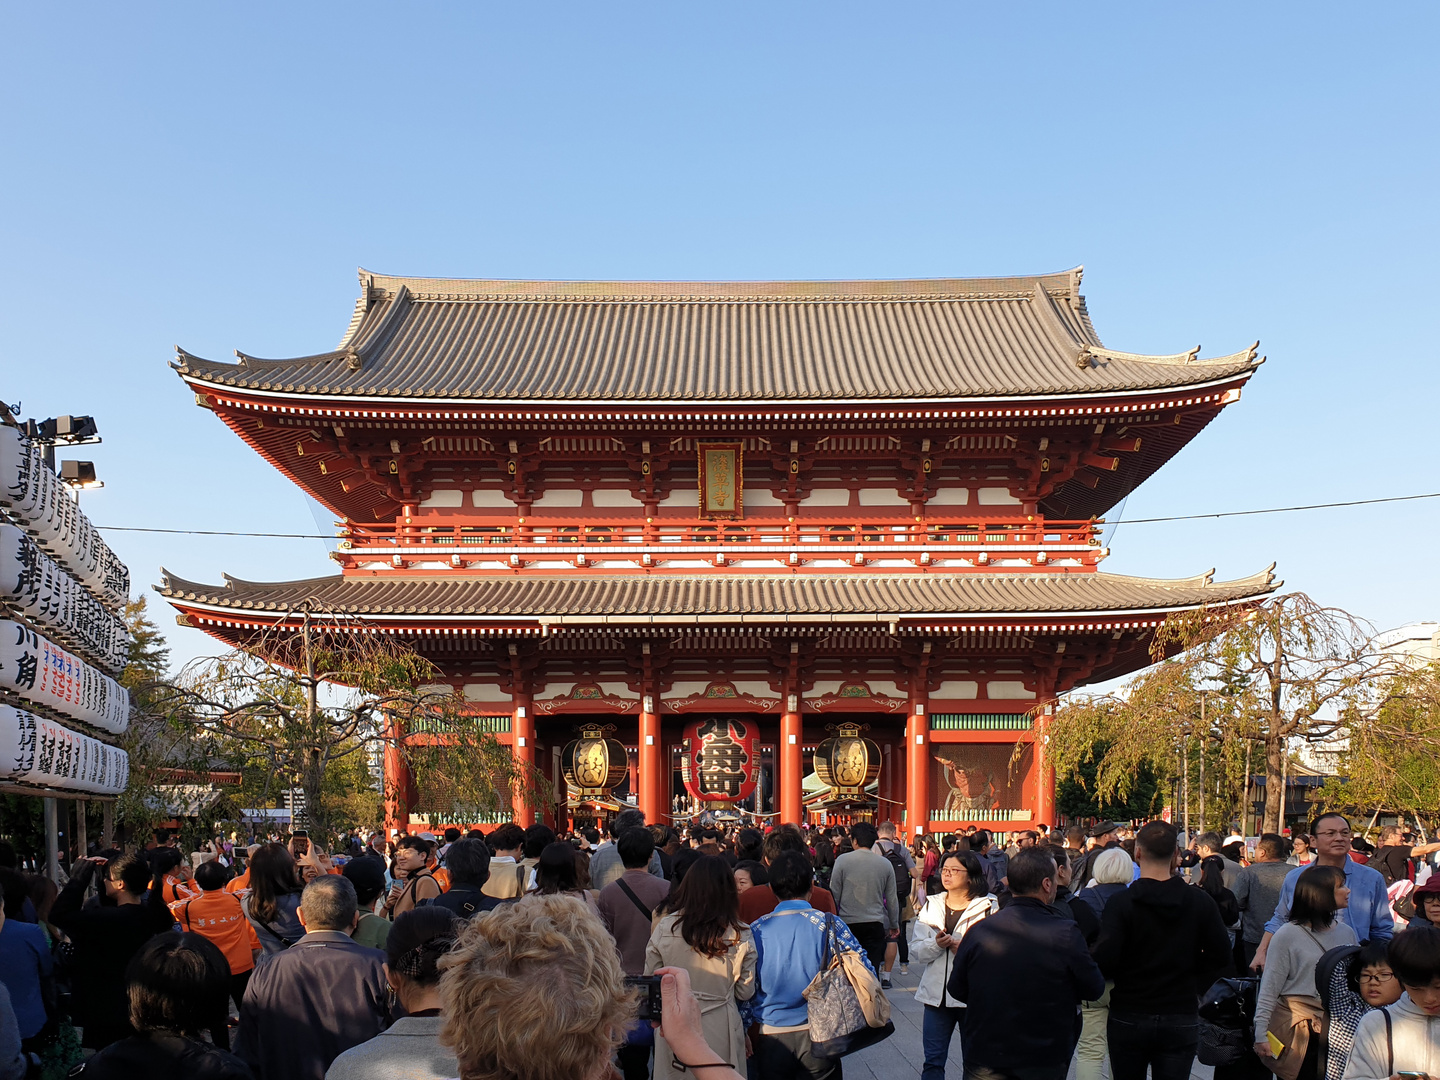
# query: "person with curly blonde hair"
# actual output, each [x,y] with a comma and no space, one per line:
[535,991]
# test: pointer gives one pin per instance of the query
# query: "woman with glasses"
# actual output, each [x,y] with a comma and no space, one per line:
[934,936]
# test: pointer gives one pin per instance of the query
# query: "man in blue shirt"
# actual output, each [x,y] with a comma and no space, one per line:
[1369,910]
[789,944]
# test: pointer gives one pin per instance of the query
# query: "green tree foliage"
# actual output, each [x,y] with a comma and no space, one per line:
[301,703]
[1075,794]
[157,743]
[1392,758]
[1241,685]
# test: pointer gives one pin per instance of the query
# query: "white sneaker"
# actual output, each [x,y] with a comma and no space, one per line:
[904,969]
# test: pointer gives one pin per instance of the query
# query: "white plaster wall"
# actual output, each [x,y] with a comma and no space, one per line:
[760,497]
[560,497]
[480,691]
[490,497]
[445,497]
[1007,690]
[950,496]
[996,496]
[958,689]
[613,497]
[828,497]
[881,497]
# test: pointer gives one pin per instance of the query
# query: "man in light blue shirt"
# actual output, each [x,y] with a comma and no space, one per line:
[1369,910]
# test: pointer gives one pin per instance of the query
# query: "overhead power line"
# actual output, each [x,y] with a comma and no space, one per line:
[1130,521]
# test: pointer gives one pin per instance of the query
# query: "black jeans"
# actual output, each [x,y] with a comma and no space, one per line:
[1020,1072]
[1164,1044]
[634,1062]
[787,1056]
[871,936]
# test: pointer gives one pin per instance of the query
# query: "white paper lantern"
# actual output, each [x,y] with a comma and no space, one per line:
[38,500]
[33,585]
[43,673]
[37,750]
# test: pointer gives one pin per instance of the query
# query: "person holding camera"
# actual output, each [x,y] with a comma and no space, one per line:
[274,899]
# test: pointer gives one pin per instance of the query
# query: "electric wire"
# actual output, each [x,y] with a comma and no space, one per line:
[1128,521]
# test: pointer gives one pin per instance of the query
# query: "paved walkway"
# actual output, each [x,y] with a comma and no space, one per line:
[902,1055]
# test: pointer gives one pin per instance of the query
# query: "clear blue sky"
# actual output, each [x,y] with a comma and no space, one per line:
[212,176]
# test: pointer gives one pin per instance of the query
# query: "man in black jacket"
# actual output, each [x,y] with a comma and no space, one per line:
[468,863]
[308,1004]
[1026,961]
[1163,943]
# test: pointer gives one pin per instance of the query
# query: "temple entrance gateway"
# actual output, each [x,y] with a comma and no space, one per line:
[746,515]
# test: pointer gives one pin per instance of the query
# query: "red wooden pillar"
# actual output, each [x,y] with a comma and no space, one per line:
[917,746]
[792,775]
[522,729]
[1044,770]
[653,793]
[396,781]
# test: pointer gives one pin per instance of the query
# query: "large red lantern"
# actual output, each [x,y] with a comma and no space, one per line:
[720,760]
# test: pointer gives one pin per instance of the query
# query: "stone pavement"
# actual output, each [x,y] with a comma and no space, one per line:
[902,1055]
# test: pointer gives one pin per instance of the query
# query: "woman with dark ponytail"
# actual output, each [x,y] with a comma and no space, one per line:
[410,1047]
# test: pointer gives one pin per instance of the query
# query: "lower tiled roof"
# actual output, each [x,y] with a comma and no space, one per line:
[769,598]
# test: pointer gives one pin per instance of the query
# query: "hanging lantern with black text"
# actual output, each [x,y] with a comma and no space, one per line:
[720,760]
[592,765]
[847,763]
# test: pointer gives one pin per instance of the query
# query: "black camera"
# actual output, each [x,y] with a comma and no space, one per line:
[649,988]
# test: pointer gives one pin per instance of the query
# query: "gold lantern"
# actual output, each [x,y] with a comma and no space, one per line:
[593,764]
[847,763]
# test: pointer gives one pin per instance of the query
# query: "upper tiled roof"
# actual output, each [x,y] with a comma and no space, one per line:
[550,341]
[669,597]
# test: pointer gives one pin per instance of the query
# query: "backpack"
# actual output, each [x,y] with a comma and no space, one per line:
[902,872]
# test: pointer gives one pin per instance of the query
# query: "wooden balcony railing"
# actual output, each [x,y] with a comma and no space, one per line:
[960,534]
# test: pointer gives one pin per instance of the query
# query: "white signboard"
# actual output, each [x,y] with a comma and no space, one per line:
[36,750]
[39,500]
[33,585]
[42,672]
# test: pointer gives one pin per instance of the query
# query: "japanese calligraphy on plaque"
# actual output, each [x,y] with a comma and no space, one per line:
[721,479]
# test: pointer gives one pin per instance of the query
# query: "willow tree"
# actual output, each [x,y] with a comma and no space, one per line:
[1389,763]
[301,699]
[1245,682]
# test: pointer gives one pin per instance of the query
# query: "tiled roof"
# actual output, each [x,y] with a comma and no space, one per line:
[519,341]
[672,597]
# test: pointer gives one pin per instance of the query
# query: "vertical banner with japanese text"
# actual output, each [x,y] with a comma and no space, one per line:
[722,466]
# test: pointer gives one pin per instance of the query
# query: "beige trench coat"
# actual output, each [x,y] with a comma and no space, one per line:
[718,983]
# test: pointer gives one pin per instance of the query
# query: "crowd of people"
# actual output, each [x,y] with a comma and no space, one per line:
[516,955]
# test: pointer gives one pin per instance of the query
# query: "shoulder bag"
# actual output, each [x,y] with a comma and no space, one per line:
[847,1008]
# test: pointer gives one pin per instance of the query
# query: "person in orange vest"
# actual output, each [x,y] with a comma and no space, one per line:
[168,864]
[216,914]
[241,882]
[432,862]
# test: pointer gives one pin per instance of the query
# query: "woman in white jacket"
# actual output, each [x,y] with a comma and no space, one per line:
[934,937]
[1404,1038]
